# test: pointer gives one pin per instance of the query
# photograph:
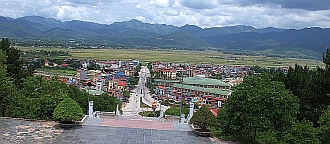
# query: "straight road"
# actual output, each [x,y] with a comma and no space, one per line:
[141,91]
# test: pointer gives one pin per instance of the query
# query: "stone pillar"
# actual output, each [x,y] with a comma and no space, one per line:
[182,118]
[90,110]
[117,111]
[161,114]
[191,109]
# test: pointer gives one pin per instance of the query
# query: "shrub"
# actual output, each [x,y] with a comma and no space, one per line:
[203,118]
[150,113]
[175,111]
[68,110]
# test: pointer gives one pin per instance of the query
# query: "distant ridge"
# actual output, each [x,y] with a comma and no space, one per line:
[303,43]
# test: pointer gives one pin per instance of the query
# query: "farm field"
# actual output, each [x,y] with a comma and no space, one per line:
[182,56]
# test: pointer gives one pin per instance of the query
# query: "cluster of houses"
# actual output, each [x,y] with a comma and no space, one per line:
[206,84]
[112,77]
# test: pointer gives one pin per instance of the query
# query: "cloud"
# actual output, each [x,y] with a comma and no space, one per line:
[312,5]
[203,13]
[199,4]
[160,3]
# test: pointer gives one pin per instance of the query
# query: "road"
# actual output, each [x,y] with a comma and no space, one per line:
[141,91]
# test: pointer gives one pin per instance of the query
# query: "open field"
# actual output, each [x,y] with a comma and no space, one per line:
[58,71]
[182,56]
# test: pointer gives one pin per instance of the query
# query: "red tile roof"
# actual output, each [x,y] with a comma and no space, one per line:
[121,83]
[64,65]
[161,87]
[214,111]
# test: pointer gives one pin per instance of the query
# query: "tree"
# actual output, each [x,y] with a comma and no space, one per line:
[256,108]
[7,89]
[93,66]
[326,59]
[126,94]
[79,96]
[105,103]
[311,87]
[38,98]
[68,110]
[325,127]
[203,118]
[14,63]
[301,133]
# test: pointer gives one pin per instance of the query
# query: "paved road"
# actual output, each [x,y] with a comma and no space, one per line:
[146,93]
[141,91]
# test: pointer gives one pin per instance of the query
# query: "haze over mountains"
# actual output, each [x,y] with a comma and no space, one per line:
[303,43]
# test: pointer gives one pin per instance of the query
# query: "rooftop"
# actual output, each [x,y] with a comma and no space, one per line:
[204,81]
[96,92]
[208,90]
[169,81]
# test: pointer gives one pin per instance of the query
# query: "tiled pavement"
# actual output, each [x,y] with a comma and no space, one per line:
[22,131]
[115,135]
[134,130]
[27,132]
[143,124]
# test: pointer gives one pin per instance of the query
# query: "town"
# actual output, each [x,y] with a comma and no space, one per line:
[204,83]
[167,98]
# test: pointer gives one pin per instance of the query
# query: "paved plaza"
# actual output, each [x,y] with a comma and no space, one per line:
[133,130]
[100,130]
[27,132]
[116,135]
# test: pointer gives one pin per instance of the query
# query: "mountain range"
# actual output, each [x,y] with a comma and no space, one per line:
[303,43]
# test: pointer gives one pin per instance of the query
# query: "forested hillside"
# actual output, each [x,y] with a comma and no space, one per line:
[240,39]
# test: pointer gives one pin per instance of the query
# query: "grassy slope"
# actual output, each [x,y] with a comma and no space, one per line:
[182,56]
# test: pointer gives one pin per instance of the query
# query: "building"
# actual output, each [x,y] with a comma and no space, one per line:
[206,83]
[194,89]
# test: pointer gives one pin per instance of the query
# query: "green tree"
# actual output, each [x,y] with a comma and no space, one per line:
[301,133]
[75,64]
[105,103]
[325,127]
[68,110]
[79,96]
[14,63]
[38,98]
[326,59]
[7,89]
[203,118]
[311,87]
[256,108]
[93,66]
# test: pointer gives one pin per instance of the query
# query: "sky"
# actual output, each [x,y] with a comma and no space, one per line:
[203,13]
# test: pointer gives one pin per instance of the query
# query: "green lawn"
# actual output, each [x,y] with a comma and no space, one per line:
[182,56]
[58,71]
